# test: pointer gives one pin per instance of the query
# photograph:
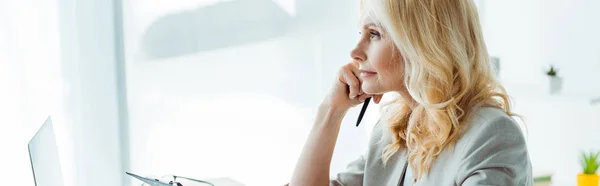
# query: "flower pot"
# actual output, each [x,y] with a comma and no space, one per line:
[555,84]
[587,180]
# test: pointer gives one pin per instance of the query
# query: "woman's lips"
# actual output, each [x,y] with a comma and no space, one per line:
[365,73]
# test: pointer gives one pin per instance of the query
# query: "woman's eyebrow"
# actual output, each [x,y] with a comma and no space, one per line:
[369,24]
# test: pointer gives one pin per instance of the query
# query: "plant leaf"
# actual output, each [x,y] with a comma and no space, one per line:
[590,162]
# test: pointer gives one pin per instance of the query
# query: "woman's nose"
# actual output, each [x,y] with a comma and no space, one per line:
[358,55]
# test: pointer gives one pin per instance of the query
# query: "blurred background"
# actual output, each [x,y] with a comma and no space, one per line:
[229,88]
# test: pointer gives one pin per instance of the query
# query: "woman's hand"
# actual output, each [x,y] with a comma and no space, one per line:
[347,92]
[312,168]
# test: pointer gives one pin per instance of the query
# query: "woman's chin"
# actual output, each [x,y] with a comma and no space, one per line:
[371,89]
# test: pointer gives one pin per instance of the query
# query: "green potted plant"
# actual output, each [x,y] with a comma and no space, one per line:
[552,71]
[590,163]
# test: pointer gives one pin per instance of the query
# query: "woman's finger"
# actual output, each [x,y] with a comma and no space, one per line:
[353,84]
[377,98]
[363,97]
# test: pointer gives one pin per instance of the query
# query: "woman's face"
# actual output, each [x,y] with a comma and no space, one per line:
[381,65]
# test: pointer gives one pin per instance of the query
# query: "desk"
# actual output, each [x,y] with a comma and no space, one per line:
[224,182]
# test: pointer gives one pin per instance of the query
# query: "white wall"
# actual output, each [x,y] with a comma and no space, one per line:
[530,35]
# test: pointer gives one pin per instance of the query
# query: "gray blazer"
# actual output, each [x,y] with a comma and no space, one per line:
[491,151]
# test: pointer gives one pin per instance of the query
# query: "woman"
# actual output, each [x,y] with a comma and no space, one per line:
[452,123]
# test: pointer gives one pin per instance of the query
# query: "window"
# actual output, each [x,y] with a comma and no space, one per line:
[30,80]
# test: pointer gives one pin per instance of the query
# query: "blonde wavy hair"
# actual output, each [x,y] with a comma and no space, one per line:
[447,72]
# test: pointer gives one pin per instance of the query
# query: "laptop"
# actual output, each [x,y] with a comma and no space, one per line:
[43,155]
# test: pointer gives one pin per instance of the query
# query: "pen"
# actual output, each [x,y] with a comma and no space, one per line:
[362,111]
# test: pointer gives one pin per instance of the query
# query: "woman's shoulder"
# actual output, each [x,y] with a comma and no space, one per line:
[494,145]
[490,118]
[493,125]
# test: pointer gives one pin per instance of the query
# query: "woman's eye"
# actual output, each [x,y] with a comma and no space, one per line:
[375,34]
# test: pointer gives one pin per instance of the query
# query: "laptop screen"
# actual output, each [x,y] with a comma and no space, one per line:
[43,154]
